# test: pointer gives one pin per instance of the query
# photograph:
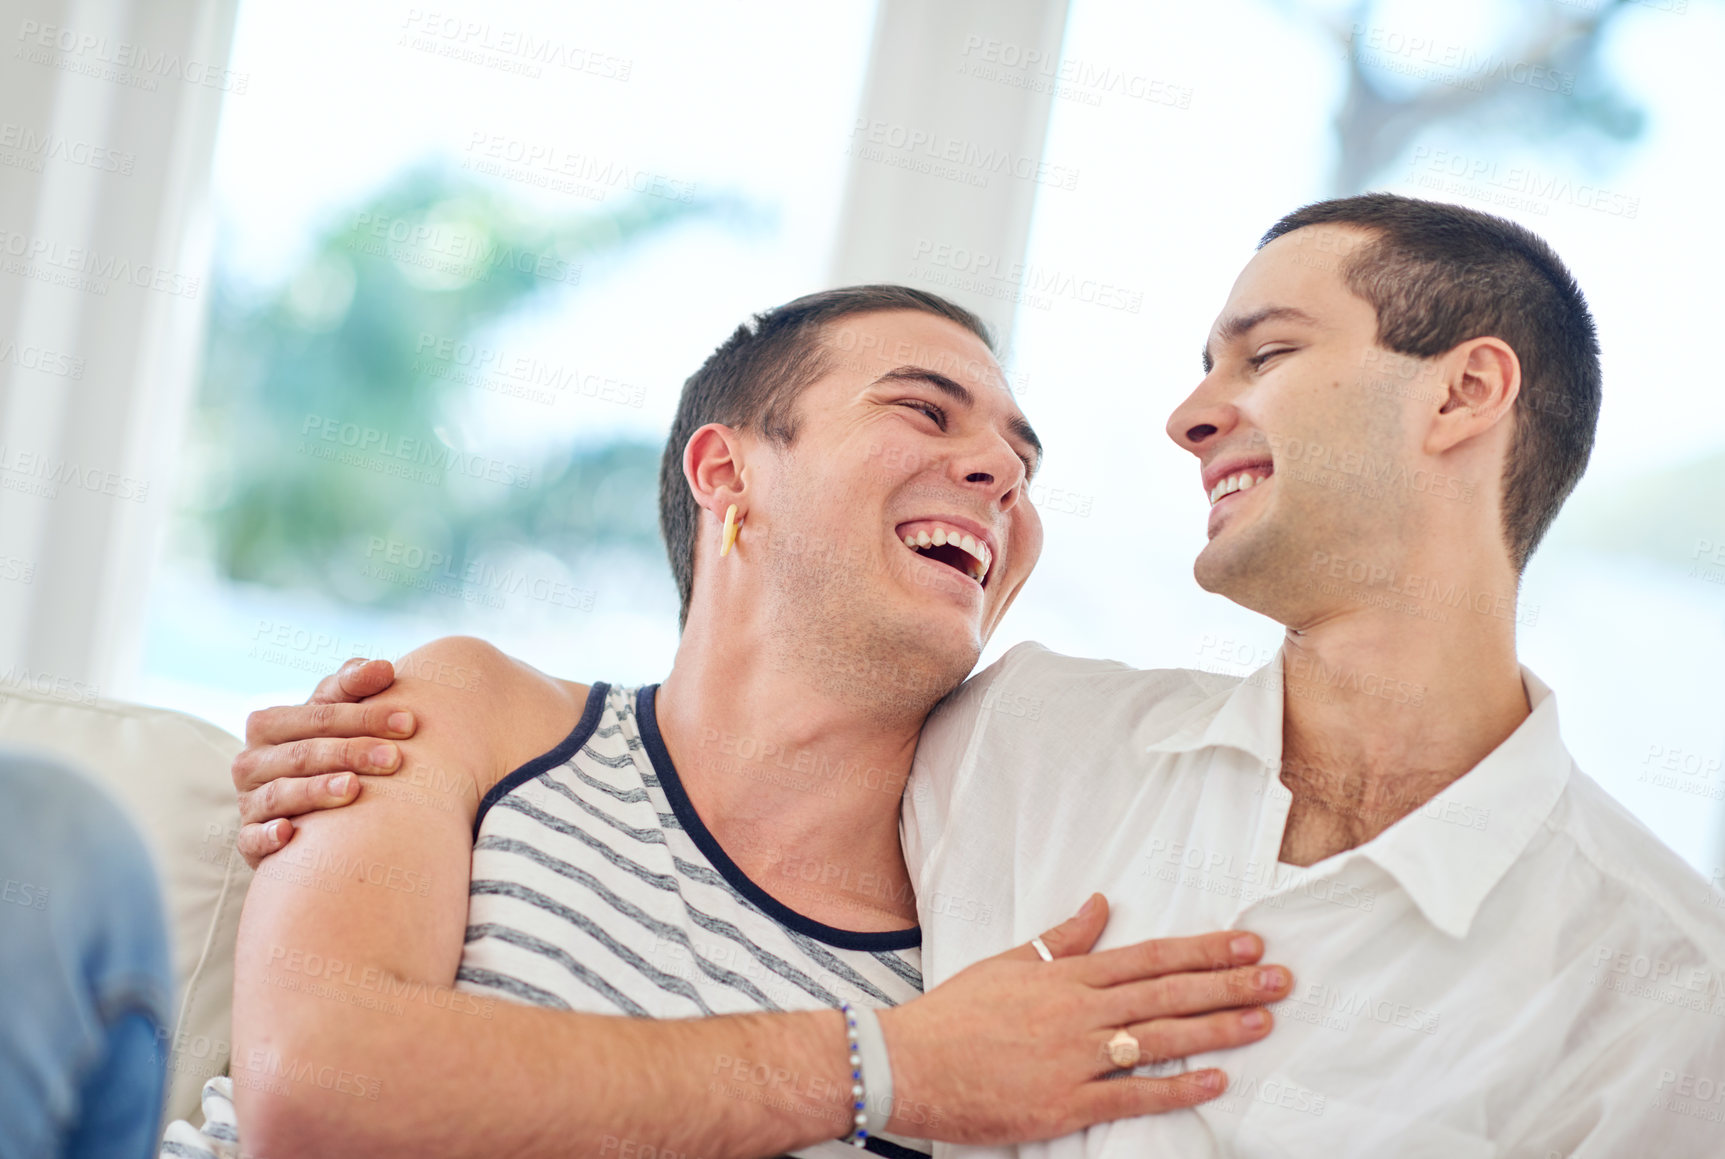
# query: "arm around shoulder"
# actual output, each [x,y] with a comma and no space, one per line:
[349,1035]
[354,931]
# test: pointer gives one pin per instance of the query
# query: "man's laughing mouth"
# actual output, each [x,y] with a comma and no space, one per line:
[958,546]
[1235,477]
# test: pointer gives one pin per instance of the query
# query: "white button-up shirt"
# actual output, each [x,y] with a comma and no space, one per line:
[1516,968]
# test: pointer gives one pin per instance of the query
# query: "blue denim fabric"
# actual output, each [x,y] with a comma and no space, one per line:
[85,987]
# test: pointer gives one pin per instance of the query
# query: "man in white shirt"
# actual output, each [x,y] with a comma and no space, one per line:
[1493,957]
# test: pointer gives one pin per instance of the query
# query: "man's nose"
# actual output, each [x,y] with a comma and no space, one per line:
[1203,415]
[995,468]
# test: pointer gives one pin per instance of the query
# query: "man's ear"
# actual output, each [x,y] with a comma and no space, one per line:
[713,465]
[1482,379]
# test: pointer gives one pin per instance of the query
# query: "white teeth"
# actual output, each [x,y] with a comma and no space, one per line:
[981,558]
[1240,481]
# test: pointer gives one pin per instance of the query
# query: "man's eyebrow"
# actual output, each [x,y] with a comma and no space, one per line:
[956,391]
[960,393]
[1241,324]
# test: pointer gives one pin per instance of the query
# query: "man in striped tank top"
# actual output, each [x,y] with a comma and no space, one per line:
[439,968]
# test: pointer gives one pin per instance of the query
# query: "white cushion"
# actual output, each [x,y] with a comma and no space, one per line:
[169,771]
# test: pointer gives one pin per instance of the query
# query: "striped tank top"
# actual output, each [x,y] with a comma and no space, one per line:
[597,888]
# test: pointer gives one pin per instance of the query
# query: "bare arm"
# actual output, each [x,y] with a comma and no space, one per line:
[350,1040]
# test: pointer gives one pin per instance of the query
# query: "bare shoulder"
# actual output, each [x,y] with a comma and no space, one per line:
[502,711]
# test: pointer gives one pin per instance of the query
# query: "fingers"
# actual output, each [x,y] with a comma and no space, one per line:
[329,690]
[354,681]
[291,796]
[1071,937]
[1176,995]
[257,842]
[1166,1038]
[362,678]
[1172,955]
[1125,1097]
[261,766]
[272,726]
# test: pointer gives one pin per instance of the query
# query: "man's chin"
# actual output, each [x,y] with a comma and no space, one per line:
[947,638]
[925,641]
[1257,579]
[1235,569]
[1214,570]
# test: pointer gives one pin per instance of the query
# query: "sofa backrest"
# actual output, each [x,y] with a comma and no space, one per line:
[170,773]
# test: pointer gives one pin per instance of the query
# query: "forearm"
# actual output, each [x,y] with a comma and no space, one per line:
[531,1082]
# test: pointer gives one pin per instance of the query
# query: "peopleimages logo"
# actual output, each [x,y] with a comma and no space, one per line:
[1038,70]
[478,580]
[1513,186]
[379,450]
[36,473]
[1038,284]
[30,146]
[952,157]
[121,61]
[86,269]
[42,360]
[466,252]
[549,165]
[505,48]
[19,679]
[518,374]
[1450,63]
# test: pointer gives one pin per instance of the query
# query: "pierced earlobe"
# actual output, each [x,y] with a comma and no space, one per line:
[729,535]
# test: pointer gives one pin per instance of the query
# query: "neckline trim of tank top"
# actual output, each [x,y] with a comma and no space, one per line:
[730,871]
[566,748]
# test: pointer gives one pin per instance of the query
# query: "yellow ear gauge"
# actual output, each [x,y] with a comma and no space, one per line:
[730,533]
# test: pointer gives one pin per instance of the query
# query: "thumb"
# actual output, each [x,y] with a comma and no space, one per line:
[1078,933]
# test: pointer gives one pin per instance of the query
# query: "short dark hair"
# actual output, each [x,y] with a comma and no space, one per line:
[752,382]
[1438,275]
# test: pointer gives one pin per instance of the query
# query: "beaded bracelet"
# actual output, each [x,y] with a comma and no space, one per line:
[872,1107]
[858,1136]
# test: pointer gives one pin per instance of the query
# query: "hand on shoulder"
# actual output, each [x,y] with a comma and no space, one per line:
[487,712]
[477,699]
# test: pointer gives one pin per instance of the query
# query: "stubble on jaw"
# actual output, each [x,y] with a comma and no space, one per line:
[838,623]
[1314,508]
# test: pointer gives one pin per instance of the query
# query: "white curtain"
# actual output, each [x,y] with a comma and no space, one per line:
[108,113]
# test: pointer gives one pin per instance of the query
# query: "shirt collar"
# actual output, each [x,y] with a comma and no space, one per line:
[1244,714]
[1450,852]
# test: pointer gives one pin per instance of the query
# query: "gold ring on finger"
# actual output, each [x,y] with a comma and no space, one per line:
[1123,1049]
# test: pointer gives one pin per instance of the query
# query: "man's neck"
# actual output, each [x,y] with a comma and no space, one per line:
[1383,710]
[798,782]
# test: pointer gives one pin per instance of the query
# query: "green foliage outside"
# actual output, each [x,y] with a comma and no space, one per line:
[325,414]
